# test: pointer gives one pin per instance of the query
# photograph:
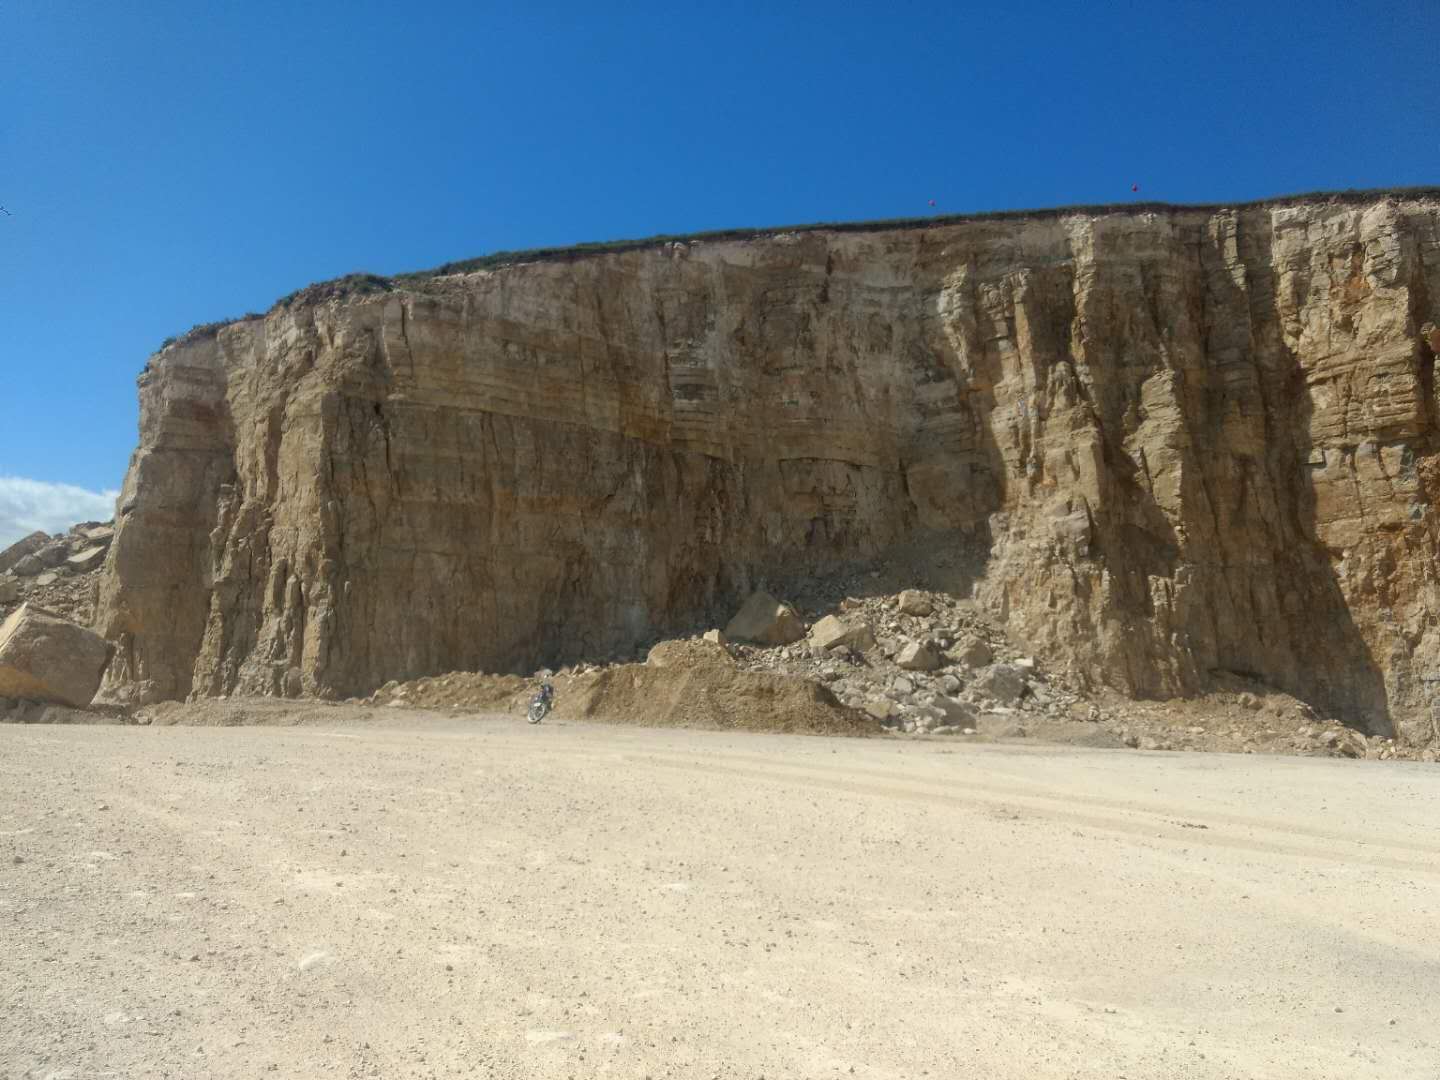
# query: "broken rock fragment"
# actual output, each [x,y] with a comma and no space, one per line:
[46,658]
[1002,683]
[21,548]
[881,709]
[972,651]
[915,603]
[832,631]
[765,621]
[917,657]
[90,559]
[28,566]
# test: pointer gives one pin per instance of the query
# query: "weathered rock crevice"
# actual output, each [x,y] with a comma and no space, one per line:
[1167,444]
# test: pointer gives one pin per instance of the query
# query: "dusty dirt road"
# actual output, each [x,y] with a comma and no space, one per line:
[425,896]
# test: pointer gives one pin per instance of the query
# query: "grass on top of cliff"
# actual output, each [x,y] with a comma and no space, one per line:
[366,284]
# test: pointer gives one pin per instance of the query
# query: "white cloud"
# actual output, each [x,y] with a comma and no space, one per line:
[27,505]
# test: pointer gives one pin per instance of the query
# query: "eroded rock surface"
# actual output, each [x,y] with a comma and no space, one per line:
[1169,445]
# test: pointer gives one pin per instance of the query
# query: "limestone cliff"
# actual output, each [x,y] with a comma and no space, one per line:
[1168,441]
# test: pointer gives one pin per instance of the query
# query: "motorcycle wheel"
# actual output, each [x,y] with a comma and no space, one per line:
[537,711]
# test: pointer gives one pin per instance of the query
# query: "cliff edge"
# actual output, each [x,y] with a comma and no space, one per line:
[1159,444]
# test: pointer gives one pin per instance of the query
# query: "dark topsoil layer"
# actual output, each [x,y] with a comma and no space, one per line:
[362,283]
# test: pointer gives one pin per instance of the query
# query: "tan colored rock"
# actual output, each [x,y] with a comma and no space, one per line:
[45,658]
[28,566]
[92,558]
[9,590]
[716,637]
[21,548]
[880,708]
[1166,427]
[53,554]
[953,713]
[765,621]
[1002,683]
[915,603]
[917,656]
[972,652]
[832,631]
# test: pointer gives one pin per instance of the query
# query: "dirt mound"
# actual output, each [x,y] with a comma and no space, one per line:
[459,690]
[689,653]
[684,683]
[708,694]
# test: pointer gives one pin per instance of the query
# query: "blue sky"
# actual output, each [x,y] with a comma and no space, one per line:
[168,164]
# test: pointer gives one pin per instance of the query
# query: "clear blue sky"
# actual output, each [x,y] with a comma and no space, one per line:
[169,164]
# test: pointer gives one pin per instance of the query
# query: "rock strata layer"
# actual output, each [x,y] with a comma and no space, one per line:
[1160,445]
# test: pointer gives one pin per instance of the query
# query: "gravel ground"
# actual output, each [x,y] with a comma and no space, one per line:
[423,896]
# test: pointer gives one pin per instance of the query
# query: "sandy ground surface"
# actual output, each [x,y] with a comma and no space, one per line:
[421,896]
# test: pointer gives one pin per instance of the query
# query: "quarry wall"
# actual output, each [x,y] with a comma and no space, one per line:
[1158,444]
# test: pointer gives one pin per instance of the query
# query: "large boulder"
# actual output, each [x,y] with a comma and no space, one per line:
[1004,684]
[972,652]
[765,621]
[915,603]
[28,566]
[832,631]
[54,553]
[45,658]
[943,712]
[917,657]
[99,534]
[92,558]
[9,590]
[48,556]
[21,548]
[881,709]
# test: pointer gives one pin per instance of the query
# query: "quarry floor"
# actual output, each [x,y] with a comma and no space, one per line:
[425,896]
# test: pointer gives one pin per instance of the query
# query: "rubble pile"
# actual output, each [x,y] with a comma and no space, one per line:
[685,683]
[920,663]
[910,664]
[58,573]
[928,663]
[846,654]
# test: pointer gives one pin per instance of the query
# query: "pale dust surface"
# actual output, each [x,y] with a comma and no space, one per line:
[427,896]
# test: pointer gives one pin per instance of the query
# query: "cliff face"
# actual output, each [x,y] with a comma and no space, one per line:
[1158,444]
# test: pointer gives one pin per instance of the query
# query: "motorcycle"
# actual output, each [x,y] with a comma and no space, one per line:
[541,703]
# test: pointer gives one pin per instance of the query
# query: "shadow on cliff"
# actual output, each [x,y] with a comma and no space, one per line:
[1333,666]
[1109,561]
